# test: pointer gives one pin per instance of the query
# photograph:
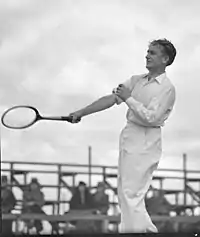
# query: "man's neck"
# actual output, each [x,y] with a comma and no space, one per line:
[156,73]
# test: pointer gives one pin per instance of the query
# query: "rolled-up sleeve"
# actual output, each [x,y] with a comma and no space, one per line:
[157,111]
[130,83]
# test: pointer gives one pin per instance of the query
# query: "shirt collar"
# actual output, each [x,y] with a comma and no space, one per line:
[159,78]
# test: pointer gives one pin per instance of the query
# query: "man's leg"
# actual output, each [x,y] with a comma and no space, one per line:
[133,183]
[134,217]
[37,223]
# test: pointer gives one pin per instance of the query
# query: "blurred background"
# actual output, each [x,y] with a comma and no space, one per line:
[62,55]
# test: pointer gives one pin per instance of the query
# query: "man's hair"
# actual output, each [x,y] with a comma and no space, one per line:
[168,49]
[81,183]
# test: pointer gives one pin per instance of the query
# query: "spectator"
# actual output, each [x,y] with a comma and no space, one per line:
[101,199]
[82,204]
[33,202]
[158,204]
[101,203]
[8,202]
[81,199]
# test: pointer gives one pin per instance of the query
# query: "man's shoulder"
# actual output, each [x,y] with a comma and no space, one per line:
[168,83]
[134,80]
[137,76]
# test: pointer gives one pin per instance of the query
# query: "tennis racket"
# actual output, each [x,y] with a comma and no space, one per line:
[24,116]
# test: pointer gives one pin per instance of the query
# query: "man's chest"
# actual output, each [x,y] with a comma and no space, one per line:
[144,91]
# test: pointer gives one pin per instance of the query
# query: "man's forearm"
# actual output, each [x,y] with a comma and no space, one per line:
[99,105]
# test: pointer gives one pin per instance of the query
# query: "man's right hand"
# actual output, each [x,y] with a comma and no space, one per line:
[76,117]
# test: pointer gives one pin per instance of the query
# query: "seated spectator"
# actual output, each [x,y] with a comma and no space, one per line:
[33,201]
[81,198]
[8,202]
[158,204]
[82,203]
[101,203]
[101,199]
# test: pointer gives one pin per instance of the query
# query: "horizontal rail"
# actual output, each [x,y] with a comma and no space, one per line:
[86,166]
[155,177]
[83,216]
[51,202]
[57,164]
[49,171]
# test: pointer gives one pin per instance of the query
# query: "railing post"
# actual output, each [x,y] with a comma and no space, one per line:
[104,173]
[73,181]
[11,174]
[89,165]
[176,198]
[161,184]
[185,178]
[58,191]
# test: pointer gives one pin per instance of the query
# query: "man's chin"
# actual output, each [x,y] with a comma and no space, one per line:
[148,67]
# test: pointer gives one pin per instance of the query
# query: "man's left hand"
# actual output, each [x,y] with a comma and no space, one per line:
[123,92]
[30,203]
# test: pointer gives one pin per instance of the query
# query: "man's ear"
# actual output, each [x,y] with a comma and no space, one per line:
[165,59]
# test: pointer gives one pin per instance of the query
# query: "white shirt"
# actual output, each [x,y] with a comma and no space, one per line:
[151,102]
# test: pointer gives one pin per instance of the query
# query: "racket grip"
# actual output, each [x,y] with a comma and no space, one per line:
[69,118]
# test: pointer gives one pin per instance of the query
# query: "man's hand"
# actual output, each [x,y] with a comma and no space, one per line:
[76,117]
[31,203]
[123,92]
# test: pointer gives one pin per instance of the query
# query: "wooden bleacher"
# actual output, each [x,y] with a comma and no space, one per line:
[67,179]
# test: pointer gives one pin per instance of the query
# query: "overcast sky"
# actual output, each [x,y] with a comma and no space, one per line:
[62,55]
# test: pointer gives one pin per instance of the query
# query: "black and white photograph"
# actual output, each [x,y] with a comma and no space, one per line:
[100,123]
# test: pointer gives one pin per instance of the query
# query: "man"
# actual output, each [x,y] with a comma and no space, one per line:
[101,203]
[33,201]
[101,199]
[82,203]
[150,98]
[158,204]
[8,202]
[81,199]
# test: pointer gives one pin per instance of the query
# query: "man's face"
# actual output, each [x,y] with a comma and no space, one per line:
[155,57]
[34,186]
[81,188]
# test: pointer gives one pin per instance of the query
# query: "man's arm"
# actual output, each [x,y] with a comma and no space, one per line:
[104,102]
[9,203]
[156,112]
[129,84]
[97,106]
[39,199]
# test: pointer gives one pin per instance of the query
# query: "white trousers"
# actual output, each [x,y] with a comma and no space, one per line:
[139,155]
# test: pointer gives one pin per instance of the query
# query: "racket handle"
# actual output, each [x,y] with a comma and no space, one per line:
[69,118]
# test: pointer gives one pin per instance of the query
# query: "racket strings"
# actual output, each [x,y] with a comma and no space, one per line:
[19,117]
